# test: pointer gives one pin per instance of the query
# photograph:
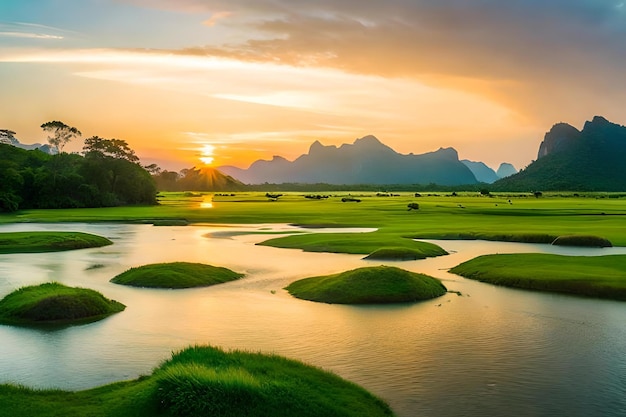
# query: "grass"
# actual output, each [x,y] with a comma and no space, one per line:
[586,241]
[398,253]
[591,276]
[506,216]
[369,285]
[175,275]
[204,380]
[355,243]
[54,303]
[35,242]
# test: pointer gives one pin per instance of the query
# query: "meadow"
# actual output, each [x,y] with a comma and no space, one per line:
[505,217]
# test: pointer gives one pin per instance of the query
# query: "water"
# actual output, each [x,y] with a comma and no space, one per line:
[491,351]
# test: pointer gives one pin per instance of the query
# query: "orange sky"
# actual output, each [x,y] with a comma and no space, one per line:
[253,79]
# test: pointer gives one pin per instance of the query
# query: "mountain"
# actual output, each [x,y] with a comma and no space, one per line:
[197,179]
[505,170]
[366,161]
[481,171]
[8,137]
[571,160]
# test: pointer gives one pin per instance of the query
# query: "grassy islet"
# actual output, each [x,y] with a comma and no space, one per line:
[55,303]
[591,276]
[368,285]
[175,275]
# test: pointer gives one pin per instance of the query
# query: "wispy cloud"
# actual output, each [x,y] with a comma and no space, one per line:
[29,35]
[32,31]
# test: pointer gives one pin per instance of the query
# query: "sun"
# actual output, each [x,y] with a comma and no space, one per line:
[207,154]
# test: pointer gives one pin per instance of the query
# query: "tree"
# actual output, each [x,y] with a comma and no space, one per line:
[61,134]
[153,169]
[114,148]
[7,136]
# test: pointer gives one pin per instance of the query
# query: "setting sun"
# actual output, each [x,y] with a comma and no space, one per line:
[207,154]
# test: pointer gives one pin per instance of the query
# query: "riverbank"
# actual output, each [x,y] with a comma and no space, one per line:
[590,276]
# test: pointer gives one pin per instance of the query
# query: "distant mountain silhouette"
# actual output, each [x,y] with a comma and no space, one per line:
[505,170]
[366,161]
[481,171]
[593,159]
[7,137]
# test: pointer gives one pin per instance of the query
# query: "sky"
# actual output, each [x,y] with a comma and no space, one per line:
[239,80]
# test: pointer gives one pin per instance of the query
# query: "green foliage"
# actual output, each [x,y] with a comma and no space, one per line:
[369,285]
[197,179]
[55,303]
[592,276]
[594,161]
[33,179]
[204,380]
[114,148]
[61,134]
[582,240]
[175,275]
[33,242]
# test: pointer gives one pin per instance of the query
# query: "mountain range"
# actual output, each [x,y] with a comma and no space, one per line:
[591,159]
[8,137]
[366,161]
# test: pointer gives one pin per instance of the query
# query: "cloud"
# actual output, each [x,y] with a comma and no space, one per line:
[541,58]
[31,31]
[215,17]
[28,35]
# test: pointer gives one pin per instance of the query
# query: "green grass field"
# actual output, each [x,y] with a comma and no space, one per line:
[439,216]
[175,275]
[206,381]
[54,303]
[591,276]
[34,242]
[368,285]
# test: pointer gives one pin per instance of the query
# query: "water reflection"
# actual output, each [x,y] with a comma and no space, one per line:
[491,351]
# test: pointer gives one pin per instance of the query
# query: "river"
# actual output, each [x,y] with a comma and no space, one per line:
[489,351]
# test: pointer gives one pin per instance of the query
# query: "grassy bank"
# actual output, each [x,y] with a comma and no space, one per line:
[467,215]
[591,276]
[355,243]
[201,381]
[175,275]
[369,285]
[33,242]
[54,303]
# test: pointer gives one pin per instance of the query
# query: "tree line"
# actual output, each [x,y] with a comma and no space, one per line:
[106,174]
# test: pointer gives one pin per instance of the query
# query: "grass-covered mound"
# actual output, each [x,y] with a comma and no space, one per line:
[592,276]
[395,254]
[175,275]
[582,240]
[495,236]
[55,303]
[206,381]
[354,243]
[34,242]
[369,285]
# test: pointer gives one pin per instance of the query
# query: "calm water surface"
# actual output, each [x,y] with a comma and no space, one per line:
[492,351]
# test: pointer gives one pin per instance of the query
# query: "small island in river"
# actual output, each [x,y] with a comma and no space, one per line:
[369,285]
[54,303]
[175,275]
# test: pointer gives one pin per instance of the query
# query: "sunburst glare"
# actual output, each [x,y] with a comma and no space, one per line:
[207,154]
